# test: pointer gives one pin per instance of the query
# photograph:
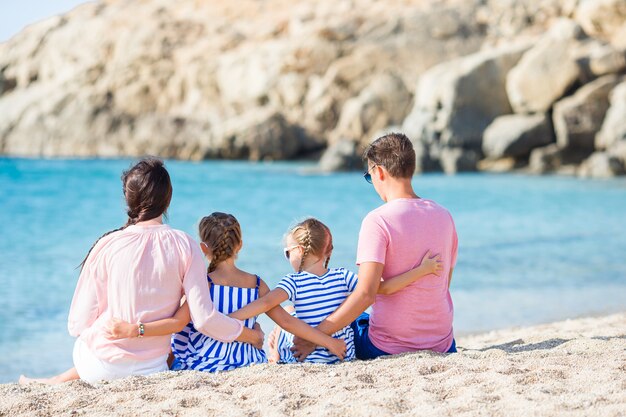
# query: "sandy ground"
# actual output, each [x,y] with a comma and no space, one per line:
[570,368]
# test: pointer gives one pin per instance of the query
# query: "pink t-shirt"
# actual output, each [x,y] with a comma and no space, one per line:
[398,234]
[139,274]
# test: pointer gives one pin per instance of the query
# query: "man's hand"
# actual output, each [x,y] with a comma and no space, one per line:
[302,348]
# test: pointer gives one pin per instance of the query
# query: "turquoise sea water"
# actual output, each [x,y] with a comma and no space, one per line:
[532,249]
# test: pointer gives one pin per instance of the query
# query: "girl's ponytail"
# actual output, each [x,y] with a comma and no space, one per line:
[221,233]
[315,239]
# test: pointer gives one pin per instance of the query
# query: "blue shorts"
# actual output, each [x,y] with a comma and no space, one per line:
[177,365]
[364,347]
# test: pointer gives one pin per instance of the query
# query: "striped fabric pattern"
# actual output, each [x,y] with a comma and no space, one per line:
[315,298]
[195,351]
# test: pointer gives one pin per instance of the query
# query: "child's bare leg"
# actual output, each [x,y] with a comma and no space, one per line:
[69,375]
[272,341]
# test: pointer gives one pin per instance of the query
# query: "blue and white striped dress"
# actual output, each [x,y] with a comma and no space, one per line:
[196,351]
[315,298]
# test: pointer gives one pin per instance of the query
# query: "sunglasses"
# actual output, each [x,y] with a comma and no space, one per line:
[289,249]
[367,175]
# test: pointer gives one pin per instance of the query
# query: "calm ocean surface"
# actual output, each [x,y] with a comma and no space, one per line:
[532,249]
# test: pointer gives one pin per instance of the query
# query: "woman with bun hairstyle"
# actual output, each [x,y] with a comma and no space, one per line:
[139,273]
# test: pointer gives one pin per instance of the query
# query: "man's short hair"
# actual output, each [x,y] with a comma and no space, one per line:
[393,151]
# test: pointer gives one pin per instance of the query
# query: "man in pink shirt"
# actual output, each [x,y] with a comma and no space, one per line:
[393,240]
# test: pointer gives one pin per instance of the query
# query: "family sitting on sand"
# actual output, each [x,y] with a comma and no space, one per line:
[144,302]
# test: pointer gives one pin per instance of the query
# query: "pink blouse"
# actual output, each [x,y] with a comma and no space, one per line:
[139,274]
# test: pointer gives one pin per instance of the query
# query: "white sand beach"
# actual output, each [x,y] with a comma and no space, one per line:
[571,368]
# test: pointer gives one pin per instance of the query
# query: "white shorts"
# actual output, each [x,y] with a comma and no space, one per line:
[93,369]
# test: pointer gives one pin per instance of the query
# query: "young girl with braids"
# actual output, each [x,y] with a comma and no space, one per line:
[316,291]
[231,289]
[139,273]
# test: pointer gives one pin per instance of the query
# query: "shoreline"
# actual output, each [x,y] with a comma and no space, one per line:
[311,166]
[571,367]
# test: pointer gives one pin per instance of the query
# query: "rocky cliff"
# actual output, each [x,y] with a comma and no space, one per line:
[476,84]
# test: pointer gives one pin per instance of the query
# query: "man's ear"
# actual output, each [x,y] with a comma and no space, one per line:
[382,172]
[206,250]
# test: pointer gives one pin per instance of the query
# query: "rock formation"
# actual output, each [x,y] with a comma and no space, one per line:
[475,84]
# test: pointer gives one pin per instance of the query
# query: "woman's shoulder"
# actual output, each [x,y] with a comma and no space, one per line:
[185,244]
[180,237]
[106,239]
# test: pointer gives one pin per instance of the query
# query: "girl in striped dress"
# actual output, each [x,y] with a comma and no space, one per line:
[230,289]
[316,291]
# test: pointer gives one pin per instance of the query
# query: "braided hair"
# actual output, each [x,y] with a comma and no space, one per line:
[315,239]
[147,190]
[221,232]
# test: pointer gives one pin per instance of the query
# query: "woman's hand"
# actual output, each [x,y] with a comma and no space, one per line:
[252,337]
[432,265]
[118,329]
[260,337]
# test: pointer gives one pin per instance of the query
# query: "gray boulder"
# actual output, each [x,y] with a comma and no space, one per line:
[424,160]
[385,101]
[341,156]
[498,165]
[552,158]
[262,134]
[545,159]
[614,126]
[602,18]
[607,60]
[457,100]
[601,165]
[454,160]
[597,58]
[516,135]
[417,124]
[577,118]
[546,71]
[619,39]
[618,150]
[6,85]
